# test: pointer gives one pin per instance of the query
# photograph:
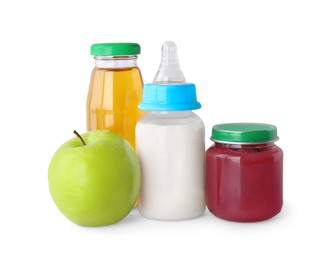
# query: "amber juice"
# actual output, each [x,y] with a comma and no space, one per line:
[115,91]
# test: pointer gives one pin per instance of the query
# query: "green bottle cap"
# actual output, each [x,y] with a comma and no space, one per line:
[115,49]
[244,133]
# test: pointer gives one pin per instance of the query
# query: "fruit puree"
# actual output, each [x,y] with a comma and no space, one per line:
[244,182]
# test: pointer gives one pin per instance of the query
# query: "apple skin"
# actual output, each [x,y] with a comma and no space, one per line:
[98,183]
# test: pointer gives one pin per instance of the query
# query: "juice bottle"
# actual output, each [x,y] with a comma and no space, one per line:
[115,89]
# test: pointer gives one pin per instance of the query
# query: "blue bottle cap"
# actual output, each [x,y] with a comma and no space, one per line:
[169,97]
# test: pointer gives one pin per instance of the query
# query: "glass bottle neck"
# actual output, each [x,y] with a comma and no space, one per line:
[115,61]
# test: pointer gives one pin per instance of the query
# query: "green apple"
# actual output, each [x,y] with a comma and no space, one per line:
[95,178]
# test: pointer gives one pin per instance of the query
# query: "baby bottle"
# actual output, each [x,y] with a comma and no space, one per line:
[115,89]
[170,145]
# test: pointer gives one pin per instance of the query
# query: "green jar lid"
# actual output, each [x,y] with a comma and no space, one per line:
[115,49]
[244,133]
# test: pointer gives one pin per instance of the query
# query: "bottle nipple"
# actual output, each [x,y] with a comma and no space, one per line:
[169,69]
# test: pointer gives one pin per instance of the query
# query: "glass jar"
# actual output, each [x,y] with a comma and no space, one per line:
[244,172]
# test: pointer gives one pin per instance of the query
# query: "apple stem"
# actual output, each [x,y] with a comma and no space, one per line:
[79,136]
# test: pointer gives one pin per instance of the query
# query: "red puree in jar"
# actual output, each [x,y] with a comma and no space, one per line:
[244,171]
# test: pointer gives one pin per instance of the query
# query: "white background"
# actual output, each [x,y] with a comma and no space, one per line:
[260,61]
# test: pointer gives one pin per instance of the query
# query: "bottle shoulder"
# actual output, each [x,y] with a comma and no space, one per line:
[171,118]
[110,69]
